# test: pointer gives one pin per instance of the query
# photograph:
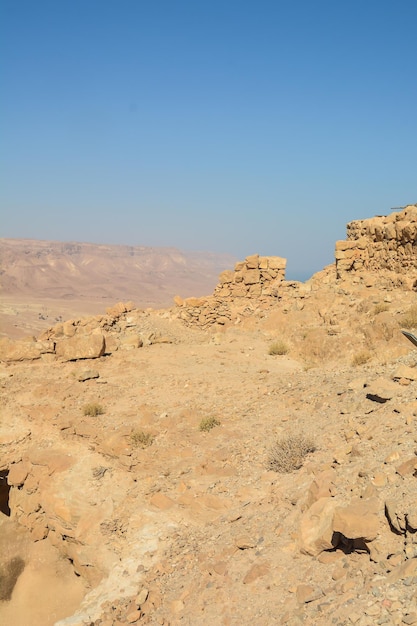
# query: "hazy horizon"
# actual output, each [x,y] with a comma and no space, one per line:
[226,127]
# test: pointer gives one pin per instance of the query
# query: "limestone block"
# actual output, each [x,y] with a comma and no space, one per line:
[390,231]
[382,390]
[239,291]
[130,342]
[118,309]
[321,487]
[358,520]
[17,474]
[112,343]
[277,263]
[255,290]
[316,528]
[81,347]
[403,371]
[194,302]
[223,292]
[251,276]
[24,349]
[226,277]
[68,328]
[342,246]
[252,262]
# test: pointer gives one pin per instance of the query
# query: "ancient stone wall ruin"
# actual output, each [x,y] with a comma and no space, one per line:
[255,276]
[380,243]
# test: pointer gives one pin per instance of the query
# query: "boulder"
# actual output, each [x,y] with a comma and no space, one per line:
[358,520]
[316,527]
[80,347]
[24,349]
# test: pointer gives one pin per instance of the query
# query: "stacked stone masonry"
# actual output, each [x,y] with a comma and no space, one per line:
[254,279]
[380,243]
[255,276]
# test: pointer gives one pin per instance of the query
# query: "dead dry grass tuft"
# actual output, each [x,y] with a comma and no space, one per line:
[381,307]
[360,358]
[140,438]
[278,348]
[207,423]
[409,319]
[93,409]
[288,453]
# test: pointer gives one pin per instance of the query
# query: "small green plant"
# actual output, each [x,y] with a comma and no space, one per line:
[409,319]
[381,307]
[360,358]
[207,423]
[140,438]
[288,453]
[93,409]
[278,348]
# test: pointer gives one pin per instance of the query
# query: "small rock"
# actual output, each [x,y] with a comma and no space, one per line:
[256,571]
[407,467]
[403,371]
[133,616]
[393,456]
[244,542]
[141,597]
[308,593]
[373,611]
[410,618]
[88,375]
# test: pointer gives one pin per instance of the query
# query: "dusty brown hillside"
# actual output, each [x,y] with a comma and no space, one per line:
[42,281]
[243,458]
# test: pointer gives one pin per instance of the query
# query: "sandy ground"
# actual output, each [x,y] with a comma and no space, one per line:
[197,518]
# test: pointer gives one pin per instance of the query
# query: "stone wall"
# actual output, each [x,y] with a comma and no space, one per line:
[256,279]
[255,276]
[380,243]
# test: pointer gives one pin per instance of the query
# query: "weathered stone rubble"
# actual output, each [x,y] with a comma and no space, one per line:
[122,328]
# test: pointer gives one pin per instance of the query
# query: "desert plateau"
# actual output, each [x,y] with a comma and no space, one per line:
[247,457]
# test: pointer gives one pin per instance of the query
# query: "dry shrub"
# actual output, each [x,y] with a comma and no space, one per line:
[141,438]
[360,358]
[207,423]
[93,409]
[409,319]
[381,307]
[288,453]
[278,348]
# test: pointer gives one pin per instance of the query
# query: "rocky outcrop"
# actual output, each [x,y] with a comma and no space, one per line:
[383,243]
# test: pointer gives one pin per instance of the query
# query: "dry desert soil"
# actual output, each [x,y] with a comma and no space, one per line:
[258,467]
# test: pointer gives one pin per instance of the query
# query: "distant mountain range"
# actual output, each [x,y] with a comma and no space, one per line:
[85,271]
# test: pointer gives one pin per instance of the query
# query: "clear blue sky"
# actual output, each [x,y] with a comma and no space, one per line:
[221,125]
